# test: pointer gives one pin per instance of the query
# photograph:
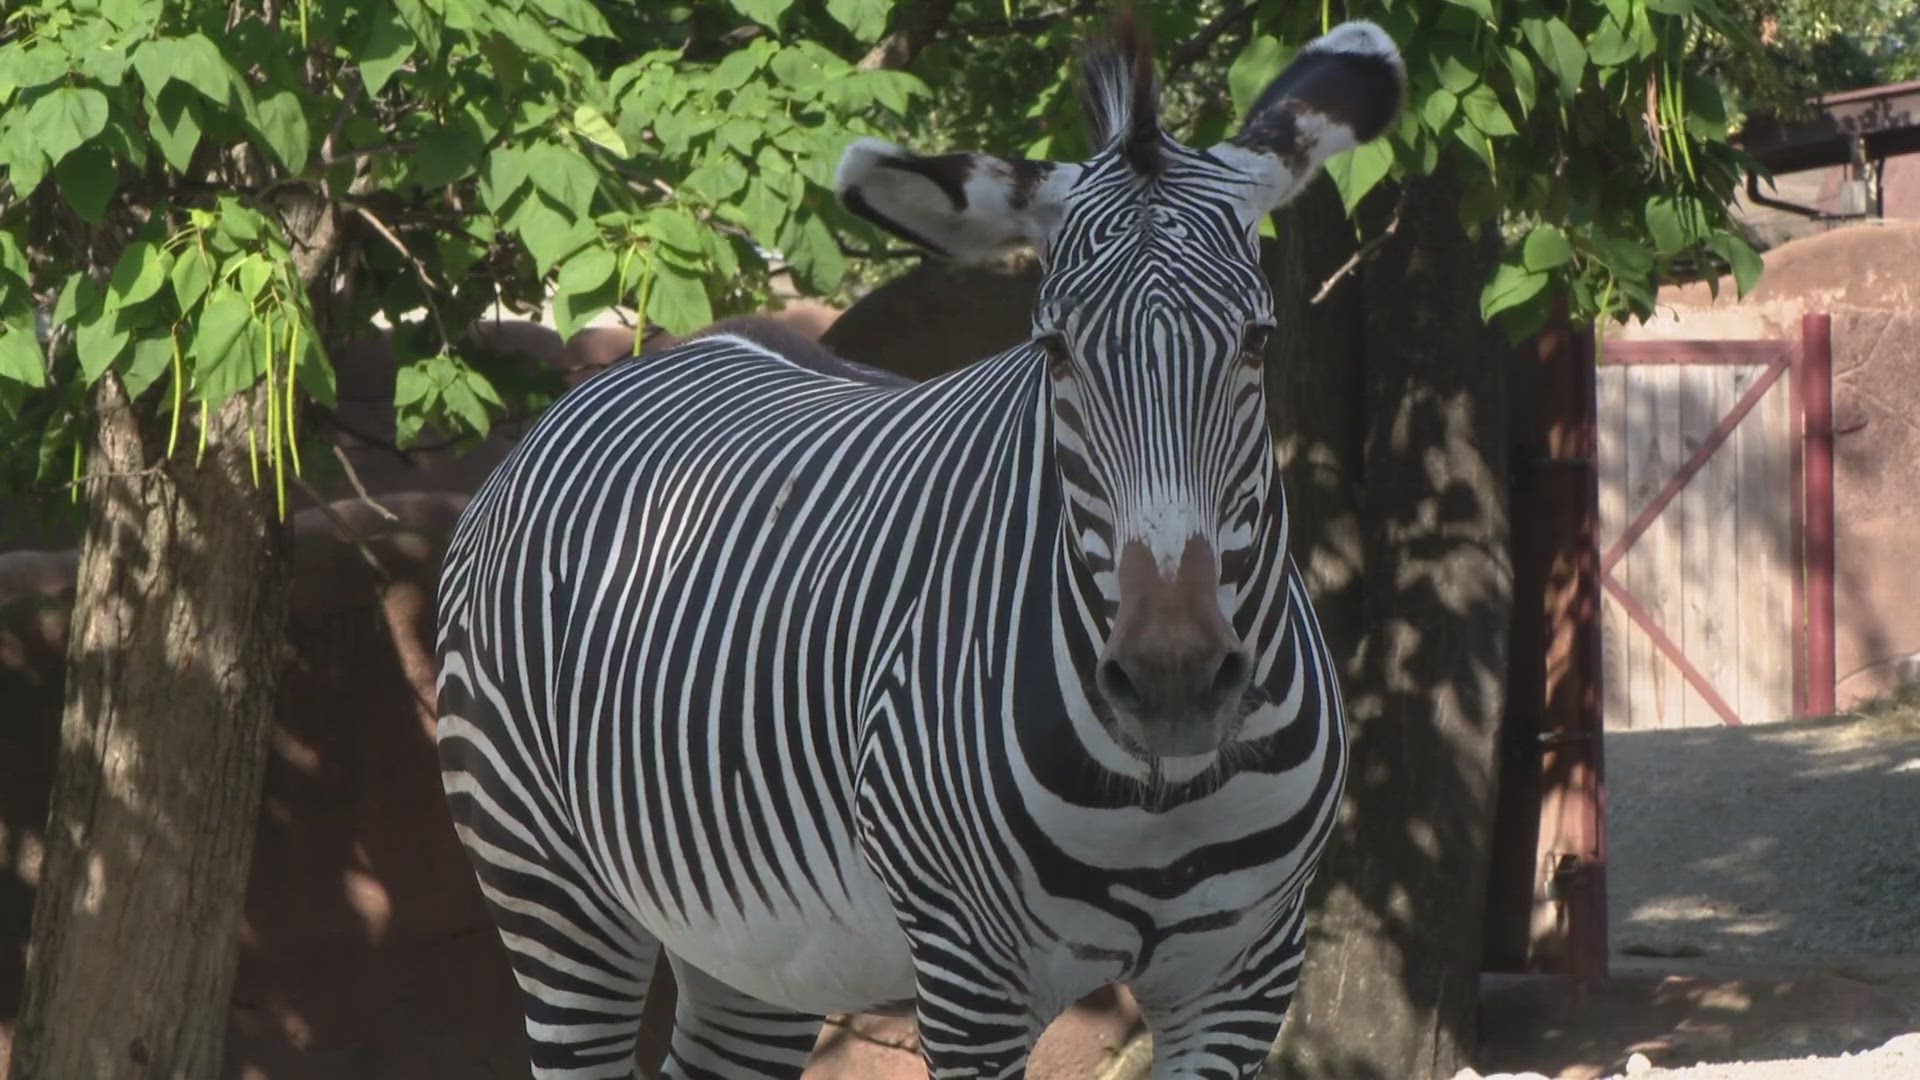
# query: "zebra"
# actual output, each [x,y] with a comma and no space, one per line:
[961,698]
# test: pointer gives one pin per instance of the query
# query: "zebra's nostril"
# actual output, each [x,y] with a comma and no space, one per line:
[1117,686]
[1235,671]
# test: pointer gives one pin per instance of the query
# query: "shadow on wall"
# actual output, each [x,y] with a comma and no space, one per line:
[365,951]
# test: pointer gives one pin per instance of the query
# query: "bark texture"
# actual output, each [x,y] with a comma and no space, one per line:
[174,662]
[1393,969]
[1315,369]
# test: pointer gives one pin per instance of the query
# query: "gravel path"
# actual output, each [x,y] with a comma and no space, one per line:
[1783,844]
[1897,1060]
[1786,841]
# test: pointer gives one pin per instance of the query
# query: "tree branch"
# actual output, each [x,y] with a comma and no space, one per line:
[360,489]
[1027,24]
[918,24]
[419,269]
[1360,256]
[1202,41]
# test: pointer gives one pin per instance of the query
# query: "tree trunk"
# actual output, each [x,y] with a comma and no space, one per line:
[1314,385]
[173,667]
[1393,970]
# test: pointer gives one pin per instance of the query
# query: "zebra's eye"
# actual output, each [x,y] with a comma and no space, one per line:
[1059,357]
[1253,345]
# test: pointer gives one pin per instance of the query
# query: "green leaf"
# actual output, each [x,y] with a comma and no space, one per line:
[25,165]
[1438,108]
[313,369]
[1511,286]
[1612,45]
[579,15]
[1681,8]
[98,342]
[1479,202]
[742,135]
[813,253]
[678,301]
[65,117]
[20,356]
[1256,66]
[87,182]
[445,155]
[587,270]
[1675,222]
[147,361]
[192,272]
[1453,73]
[251,274]
[1358,171]
[13,258]
[894,90]
[140,273]
[283,124]
[1521,69]
[173,120]
[1482,8]
[763,210]
[718,179]
[593,126]
[1559,48]
[1484,111]
[734,71]
[385,51]
[565,175]
[412,385]
[225,347]
[765,12]
[867,19]
[675,227]
[1545,248]
[193,60]
[78,298]
[506,172]
[1745,262]
[549,234]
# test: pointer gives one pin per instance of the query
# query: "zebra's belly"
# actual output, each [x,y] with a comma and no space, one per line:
[844,955]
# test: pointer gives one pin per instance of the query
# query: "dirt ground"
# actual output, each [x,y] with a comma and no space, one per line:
[1764,911]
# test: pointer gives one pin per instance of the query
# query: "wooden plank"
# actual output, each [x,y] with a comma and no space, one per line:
[1654,452]
[1712,554]
[1768,522]
[1663,589]
[1693,353]
[1616,669]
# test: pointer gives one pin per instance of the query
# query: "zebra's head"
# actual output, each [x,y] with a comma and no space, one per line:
[1152,323]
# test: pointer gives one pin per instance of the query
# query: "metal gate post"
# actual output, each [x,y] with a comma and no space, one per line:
[1816,399]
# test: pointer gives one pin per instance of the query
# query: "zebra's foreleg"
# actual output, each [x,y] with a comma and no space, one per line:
[970,1030]
[1228,1031]
[722,1034]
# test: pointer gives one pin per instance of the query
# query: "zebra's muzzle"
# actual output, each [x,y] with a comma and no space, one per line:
[1173,671]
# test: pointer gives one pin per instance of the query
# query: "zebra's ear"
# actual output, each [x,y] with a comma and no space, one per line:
[1343,90]
[969,208]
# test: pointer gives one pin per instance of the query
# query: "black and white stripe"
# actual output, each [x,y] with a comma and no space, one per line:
[789,672]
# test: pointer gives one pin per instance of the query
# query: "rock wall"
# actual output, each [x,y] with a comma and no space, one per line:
[1868,278]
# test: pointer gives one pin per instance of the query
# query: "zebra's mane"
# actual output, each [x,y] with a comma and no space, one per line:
[1120,95]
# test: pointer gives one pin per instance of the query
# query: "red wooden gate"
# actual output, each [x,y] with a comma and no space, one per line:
[1546,905]
[1735,601]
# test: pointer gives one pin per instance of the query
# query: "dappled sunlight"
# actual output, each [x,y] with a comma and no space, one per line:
[1798,839]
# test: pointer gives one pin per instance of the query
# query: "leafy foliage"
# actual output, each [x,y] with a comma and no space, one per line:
[161,162]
